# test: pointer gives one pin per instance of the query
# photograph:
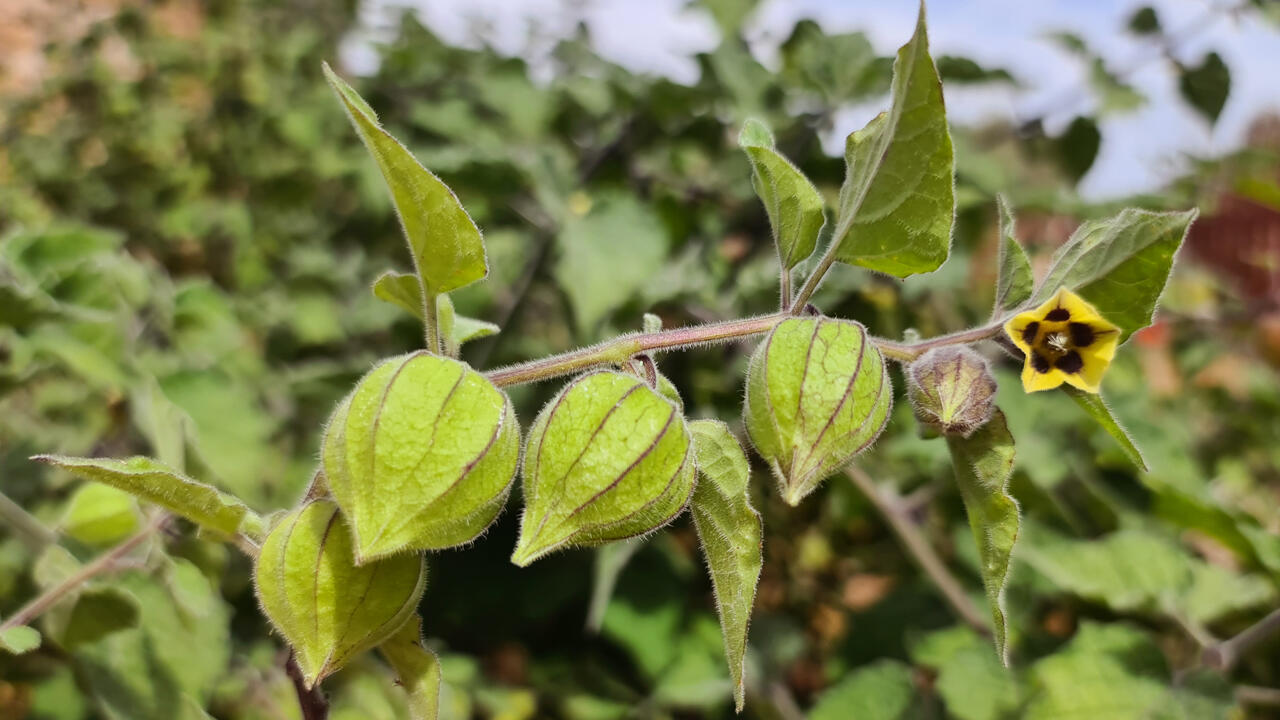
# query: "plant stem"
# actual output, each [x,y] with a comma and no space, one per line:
[431,320]
[100,564]
[920,550]
[26,526]
[815,278]
[622,348]
[784,289]
[311,701]
[1227,653]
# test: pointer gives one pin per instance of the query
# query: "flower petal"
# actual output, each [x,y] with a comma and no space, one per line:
[1035,381]
[1017,326]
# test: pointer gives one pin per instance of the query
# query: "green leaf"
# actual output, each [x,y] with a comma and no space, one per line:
[95,613]
[1097,409]
[166,667]
[793,204]
[608,256]
[400,289]
[983,464]
[1144,21]
[405,291]
[972,682]
[1015,281]
[731,534]
[154,482]
[1206,86]
[897,205]
[1077,147]
[1120,264]
[100,515]
[1106,672]
[417,670]
[447,249]
[882,690]
[19,639]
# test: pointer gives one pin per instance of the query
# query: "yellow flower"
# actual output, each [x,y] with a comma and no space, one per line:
[1065,340]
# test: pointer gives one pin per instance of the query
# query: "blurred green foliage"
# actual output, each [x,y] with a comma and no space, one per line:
[190,232]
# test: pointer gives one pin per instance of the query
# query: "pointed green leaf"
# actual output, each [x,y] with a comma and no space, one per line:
[791,201]
[1097,409]
[157,483]
[897,204]
[405,291]
[447,249]
[1120,264]
[417,670]
[731,534]
[1206,86]
[19,639]
[983,464]
[1015,281]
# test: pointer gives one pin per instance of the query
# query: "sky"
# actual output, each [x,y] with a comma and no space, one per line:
[1141,150]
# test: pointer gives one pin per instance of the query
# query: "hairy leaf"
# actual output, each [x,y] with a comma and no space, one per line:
[157,483]
[1077,147]
[983,464]
[897,204]
[1093,404]
[793,204]
[417,670]
[731,534]
[19,639]
[1014,281]
[1120,264]
[447,249]
[405,291]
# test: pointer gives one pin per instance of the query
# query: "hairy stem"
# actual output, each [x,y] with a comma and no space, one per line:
[100,564]
[1227,653]
[622,348]
[815,278]
[431,320]
[25,526]
[921,551]
[311,701]
[784,289]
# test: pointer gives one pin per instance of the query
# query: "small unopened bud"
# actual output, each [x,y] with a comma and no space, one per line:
[952,390]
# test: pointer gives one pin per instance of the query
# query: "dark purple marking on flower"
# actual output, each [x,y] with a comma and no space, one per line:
[1071,362]
[1058,314]
[1029,332]
[1039,362]
[1081,334]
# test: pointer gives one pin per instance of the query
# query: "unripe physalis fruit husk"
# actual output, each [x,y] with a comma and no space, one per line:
[608,458]
[818,393]
[952,390]
[327,608]
[421,455]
